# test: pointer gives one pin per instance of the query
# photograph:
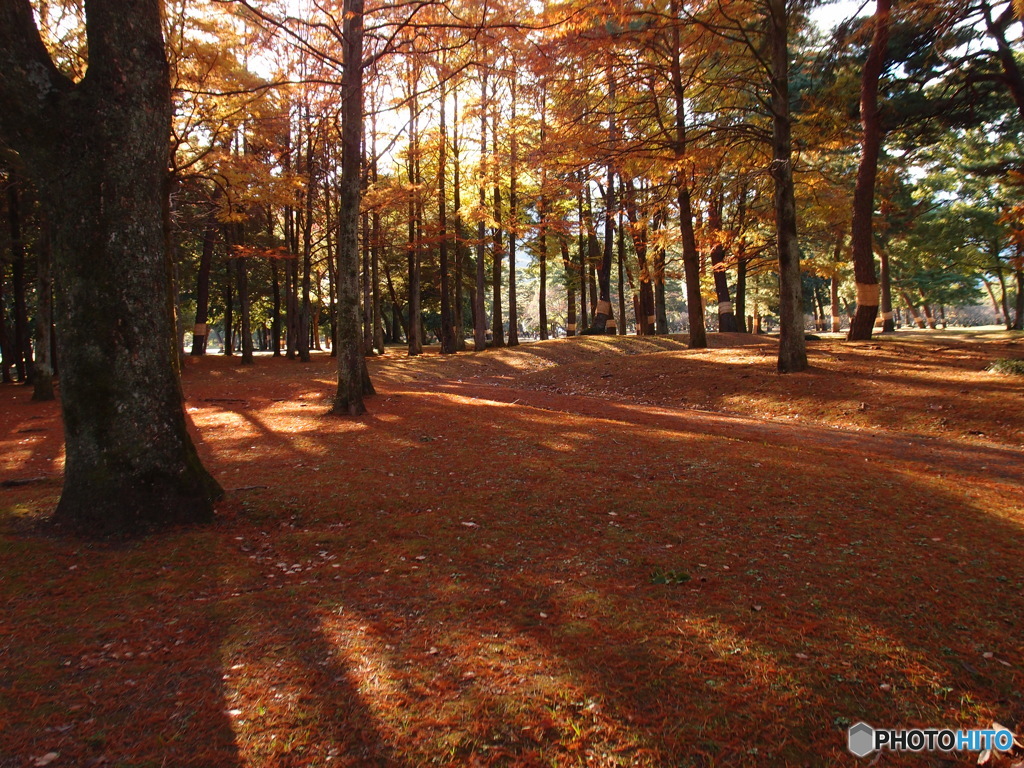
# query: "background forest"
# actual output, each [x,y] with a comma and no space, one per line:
[533,171]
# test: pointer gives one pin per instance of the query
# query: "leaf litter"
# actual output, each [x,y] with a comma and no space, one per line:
[374,599]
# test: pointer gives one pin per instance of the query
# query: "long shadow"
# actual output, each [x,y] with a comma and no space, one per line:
[928,452]
[823,599]
[298,702]
[109,657]
[495,610]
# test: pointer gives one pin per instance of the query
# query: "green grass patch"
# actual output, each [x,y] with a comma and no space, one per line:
[1008,366]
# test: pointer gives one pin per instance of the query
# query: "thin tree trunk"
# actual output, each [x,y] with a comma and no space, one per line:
[570,287]
[912,309]
[621,263]
[888,324]
[545,213]
[275,321]
[726,314]
[1005,300]
[461,236]
[660,309]
[200,332]
[5,348]
[413,246]
[229,310]
[448,345]
[513,222]
[861,240]
[1018,321]
[792,347]
[242,278]
[479,320]
[22,339]
[375,243]
[582,242]
[43,379]
[497,247]
[927,310]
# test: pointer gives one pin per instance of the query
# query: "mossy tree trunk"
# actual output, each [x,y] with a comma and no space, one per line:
[97,150]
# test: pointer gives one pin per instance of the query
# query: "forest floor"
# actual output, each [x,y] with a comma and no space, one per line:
[596,551]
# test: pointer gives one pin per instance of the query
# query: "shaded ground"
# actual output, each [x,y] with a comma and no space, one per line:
[470,575]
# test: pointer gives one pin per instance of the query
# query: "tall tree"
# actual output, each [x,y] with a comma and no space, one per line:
[862,241]
[353,377]
[792,348]
[97,150]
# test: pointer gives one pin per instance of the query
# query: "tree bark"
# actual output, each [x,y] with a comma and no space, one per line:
[22,340]
[861,241]
[5,349]
[885,296]
[98,153]
[43,379]
[726,315]
[792,347]
[691,257]
[461,255]
[513,221]
[229,311]
[479,320]
[244,305]
[497,249]
[415,329]
[581,250]
[200,331]
[570,287]
[447,326]
[353,376]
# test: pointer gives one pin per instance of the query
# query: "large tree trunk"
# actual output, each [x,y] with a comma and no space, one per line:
[861,241]
[98,153]
[792,347]
[353,376]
